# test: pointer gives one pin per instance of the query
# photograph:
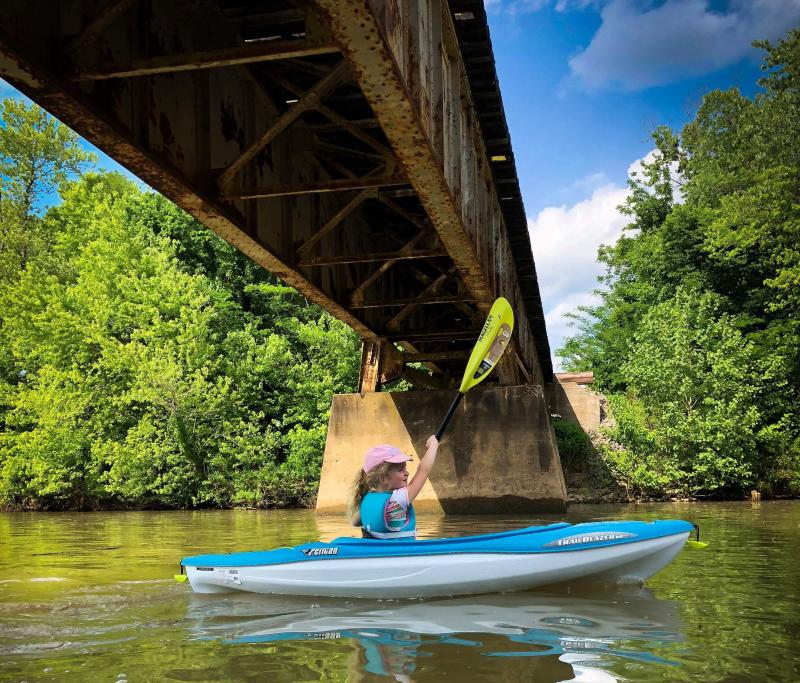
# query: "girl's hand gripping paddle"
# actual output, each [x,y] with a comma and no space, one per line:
[493,340]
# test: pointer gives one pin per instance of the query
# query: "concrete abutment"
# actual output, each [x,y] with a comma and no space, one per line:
[499,454]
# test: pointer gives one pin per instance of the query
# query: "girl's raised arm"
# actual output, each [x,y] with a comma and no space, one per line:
[424,468]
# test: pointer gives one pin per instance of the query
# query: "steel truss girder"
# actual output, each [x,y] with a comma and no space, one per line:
[85,72]
[362,39]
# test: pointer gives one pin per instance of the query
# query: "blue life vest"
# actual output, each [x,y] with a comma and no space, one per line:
[373,517]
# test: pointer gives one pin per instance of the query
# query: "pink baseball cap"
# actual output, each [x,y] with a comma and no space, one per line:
[383,453]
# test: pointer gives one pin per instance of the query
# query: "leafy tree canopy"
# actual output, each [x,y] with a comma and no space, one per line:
[697,334]
[143,361]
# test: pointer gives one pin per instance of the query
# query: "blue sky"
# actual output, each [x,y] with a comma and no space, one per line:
[584,82]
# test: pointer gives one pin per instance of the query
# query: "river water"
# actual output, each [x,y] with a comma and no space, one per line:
[90,597]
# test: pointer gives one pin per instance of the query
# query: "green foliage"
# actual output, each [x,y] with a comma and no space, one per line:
[144,362]
[37,155]
[693,409]
[697,334]
[574,445]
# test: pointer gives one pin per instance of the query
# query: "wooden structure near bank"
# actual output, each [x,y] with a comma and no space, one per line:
[356,149]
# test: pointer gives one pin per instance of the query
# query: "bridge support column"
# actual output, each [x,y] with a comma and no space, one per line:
[499,454]
[380,363]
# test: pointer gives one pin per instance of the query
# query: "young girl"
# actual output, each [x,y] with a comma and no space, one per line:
[382,495]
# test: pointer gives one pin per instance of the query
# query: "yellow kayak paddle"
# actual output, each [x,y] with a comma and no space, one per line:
[493,340]
[696,544]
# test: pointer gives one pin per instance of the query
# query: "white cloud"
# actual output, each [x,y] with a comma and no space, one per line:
[640,45]
[570,5]
[514,7]
[559,326]
[565,240]
[637,169]
[589,183]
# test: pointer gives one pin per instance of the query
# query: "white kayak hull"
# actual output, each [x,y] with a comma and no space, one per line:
[443,575]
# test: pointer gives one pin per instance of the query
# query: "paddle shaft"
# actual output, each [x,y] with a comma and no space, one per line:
[448,417]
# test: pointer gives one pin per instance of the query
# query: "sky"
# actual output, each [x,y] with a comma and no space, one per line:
[584,82]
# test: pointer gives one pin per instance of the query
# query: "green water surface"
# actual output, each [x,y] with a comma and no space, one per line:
[90,597]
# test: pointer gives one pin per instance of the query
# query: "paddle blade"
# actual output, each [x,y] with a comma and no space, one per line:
[493,340]
[181,578]
[696,545]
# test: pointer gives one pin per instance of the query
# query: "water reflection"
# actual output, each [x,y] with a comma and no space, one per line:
[574,635]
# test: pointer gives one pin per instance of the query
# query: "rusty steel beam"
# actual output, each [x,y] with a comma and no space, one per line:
[282,16]
[409,308]
[95,28]
[417,300]
[407,347]
[400,211]
[369,258]
[521,365]
[337,185]
[384,40]
[335,117]
[42,87]
[357,296]
[381,362]
[334,220]
[331,163]
[369,375]
[206,59]
[426,381]
[352,152]
[400,193]
[332,127]
[308,67]
[325,160]
[408,124]
[441,336]
[361,38]
[309,100]
[432,356]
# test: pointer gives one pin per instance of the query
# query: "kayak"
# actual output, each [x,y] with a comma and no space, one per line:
[614,552]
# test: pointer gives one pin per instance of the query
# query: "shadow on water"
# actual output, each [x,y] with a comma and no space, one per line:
[560,635]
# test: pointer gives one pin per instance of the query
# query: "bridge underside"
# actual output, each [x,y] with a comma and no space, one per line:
[357,150]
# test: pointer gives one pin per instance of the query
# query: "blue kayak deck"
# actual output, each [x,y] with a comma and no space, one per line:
[558,537]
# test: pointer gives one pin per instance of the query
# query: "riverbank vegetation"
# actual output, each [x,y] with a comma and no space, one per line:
[143,361]
[696,336]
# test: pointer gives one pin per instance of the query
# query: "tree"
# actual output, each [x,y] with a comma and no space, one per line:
[719,271]
[134,377]
[37,155]
[699,386]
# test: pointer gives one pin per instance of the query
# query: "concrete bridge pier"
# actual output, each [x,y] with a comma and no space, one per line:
[498,456]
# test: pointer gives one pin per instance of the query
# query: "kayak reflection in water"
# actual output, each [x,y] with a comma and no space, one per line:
[560,635]
[382,499]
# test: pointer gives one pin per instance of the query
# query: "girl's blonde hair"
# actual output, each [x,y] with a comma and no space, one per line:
[364,483]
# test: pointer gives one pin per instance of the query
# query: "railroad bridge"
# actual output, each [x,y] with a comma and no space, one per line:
[358,150]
